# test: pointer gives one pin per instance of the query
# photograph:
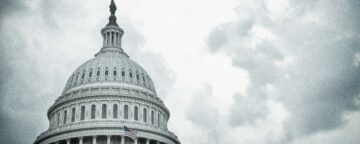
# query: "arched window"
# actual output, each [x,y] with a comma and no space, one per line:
[103,115]
[93,108]
[106,71]
[137,75]
[73,115]
[126,112]
[82,115]
[90,73]
[123,73]
[114,73]
[115,111]
[158,118]
[130,74]
[152,117]
[98,72]
[136,116]
[145,115]
[65,114]
[58,119]
[83,75]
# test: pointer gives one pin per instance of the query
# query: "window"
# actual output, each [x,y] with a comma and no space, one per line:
[106,71]
[58,119]
[90,73]
[136,116]
[93,108]
[158,118]
[65,114]
[115,111]
[114,73]
[73,115]
[82,116]
[130,74]
[98,72]
[126,112]
[143,79]
[152,117]
[122,73]
[83,75]
[103,111]
[137,76]
[145,115]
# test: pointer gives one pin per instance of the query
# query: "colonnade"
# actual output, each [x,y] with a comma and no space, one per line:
[107,139]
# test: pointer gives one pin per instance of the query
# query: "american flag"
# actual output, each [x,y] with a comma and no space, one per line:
[130,133]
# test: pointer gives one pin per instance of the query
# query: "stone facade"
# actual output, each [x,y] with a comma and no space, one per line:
[105,94]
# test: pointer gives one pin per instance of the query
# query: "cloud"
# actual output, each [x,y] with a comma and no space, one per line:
[307,59]
[205,116]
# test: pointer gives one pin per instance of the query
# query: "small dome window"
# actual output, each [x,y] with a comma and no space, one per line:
[106,71]
[83,75]
[130,75]
[143,77]
[98,72]
[123,73]
[114,73]
[90,73]
[137,76]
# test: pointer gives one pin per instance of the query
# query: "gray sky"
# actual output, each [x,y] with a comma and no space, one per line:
[230,71]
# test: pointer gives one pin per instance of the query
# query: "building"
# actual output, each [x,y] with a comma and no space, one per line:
[105,94]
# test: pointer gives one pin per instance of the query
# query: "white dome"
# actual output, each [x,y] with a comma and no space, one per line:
[109,68]
[106,94]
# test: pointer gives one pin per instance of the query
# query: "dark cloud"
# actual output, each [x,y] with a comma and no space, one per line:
[10,7]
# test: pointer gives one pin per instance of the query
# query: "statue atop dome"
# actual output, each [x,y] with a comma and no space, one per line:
[112,18]
[112,7]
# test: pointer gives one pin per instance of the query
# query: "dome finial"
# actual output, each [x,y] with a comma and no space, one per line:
[112,18]
[112,7]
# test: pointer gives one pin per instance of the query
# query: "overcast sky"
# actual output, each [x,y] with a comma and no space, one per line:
[230,71]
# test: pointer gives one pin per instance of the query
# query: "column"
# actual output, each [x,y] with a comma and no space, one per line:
[104,39]
[122,139]
[108,139]
[94,140]
[68,141]
[80,140]
[136,141]
[147,141]
[157,142]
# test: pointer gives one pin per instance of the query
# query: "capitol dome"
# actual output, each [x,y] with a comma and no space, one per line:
[106,94]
